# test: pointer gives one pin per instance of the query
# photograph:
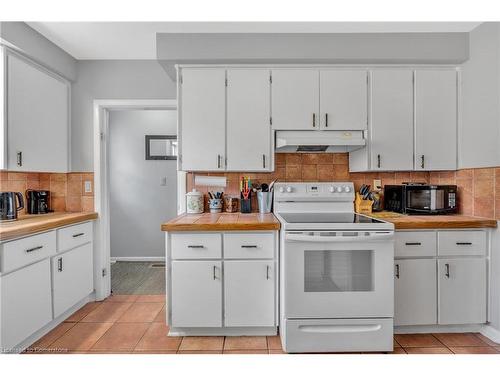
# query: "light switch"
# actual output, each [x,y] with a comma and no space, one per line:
[87,186]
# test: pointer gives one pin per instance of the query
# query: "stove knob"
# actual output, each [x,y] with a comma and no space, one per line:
[339,189]
[282,189]
[289,189]
[347,189]
[332,189]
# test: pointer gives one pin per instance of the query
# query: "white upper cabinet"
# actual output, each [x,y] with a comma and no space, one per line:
[203,119]
[436,119]
[295,99]
[37,117]
[248,120]
[343,99]
[391,139]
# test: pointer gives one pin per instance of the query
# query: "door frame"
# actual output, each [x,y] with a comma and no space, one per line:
[102,248]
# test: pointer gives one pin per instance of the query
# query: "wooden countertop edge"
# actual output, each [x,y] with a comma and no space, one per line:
[219,227]
[48,224]
[471,224]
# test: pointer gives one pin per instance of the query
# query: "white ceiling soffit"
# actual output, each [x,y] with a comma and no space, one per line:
[137,40]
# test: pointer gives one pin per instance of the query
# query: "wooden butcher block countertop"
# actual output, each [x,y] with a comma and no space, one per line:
[401,221]
[30,224]
[222,222]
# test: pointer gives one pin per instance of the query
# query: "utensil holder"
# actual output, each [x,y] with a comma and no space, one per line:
[265,201]
[215,205]
[246,205]
[231,204]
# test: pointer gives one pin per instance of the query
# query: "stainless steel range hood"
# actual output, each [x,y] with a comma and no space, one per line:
[319,141]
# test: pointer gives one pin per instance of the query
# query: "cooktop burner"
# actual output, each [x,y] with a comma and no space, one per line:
[328,217]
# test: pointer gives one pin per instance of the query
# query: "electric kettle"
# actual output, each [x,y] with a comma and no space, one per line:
[9,205]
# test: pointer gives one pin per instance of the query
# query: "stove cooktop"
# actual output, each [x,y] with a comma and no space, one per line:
[328,218]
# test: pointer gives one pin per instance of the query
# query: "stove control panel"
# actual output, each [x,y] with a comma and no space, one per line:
[314,191]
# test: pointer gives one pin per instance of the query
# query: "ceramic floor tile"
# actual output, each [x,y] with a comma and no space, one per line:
[276,351]
[459,339]
[82,336]
[486,340]
[44,342]
[83,312]
[434,350]
[199,352]
[122,298]
[141,312]
[121,336]
[162,315]
[417,340]
[274,342]
[398,350]
[107,312]
[473,350]
[154,352]
[245,352]
[245,343]
[202,343]
[156,338]
[151,298]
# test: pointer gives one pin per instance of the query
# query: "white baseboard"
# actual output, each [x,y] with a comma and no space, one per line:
[137,259]
[491,333]
[461,328]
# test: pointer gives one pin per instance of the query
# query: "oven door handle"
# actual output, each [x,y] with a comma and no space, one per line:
[311,328]
[365,237]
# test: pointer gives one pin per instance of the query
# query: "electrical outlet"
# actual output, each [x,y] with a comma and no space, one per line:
[87,186]
[377,185]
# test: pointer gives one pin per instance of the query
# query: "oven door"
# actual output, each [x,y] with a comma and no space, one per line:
[338,274]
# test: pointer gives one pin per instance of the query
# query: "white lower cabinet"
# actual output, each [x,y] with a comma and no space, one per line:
[196,293]
[26,303]
[462,290]
[249,292]
[415,299]
[72,277]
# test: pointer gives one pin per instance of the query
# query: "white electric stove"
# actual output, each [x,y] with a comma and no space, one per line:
[337,287]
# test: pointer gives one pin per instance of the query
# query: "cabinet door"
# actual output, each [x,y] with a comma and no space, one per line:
[26,303]
[37,118]
[415,292]
[248,116]
[203,119]
[391,125]
[196,293]
[462,291]
[343,99]
[436,119]
[72,277]
[295,99]
[249,297]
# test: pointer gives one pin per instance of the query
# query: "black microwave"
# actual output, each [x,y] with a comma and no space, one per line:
[421,199]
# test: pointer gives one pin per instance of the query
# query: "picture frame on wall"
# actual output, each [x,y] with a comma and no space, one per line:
[161,147]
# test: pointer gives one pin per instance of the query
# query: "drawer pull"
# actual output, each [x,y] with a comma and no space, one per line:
[248,246]
[464,243]
[267,272]
[413,243]
[215,269]
[196,246]
[59,265]
[397,271]
[447,270]
[34,249]
[78,235]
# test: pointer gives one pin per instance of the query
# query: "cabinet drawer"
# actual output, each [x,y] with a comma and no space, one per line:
[248,245]
[73,236]
[414,244]
[19,253]
[461,243]
[196,245]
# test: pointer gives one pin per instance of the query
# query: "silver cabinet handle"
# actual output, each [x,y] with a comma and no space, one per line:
[326,120]
[447,270]
[314,120]
[422,161]
[263,160]
[33,249]
[60,265]
[378,161]
[267,272]
[20,158]
[218,161]
[249,246]
[413,243]
[195,246]
[78,234]
[397,271]
[464,243]
[214,270]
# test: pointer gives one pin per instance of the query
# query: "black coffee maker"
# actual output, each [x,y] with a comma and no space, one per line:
[10,203]
[38,201]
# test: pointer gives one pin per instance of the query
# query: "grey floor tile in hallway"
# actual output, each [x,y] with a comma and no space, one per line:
[137,278]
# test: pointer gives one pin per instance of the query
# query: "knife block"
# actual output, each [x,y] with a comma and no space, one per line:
[362,206]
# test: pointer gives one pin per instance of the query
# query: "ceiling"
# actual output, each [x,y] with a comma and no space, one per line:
[137,40]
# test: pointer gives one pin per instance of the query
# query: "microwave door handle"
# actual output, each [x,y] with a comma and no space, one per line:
[301,237]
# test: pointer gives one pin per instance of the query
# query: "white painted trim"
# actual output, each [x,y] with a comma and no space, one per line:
[137,259]
[491,333]
[102,248]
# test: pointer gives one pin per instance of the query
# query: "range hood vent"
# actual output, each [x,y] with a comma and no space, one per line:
[319,140]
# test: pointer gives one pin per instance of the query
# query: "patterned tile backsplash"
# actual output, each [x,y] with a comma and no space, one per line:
[67,191]
[479,189]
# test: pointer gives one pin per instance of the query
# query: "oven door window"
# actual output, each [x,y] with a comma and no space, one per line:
[338,271]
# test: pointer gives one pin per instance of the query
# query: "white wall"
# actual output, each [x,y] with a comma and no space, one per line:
[480,131]
[138,201]
[110,79]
